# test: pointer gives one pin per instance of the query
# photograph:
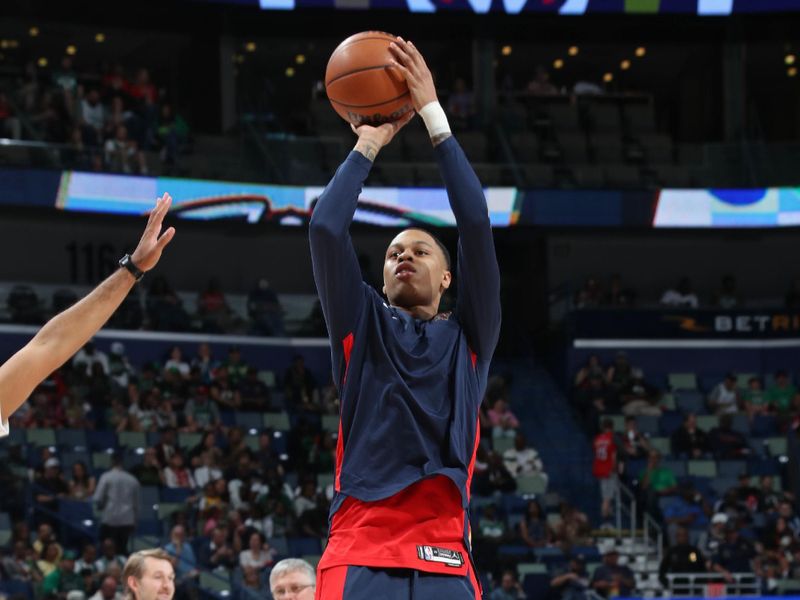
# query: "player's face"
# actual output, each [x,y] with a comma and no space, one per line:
[414,270]
[157,582]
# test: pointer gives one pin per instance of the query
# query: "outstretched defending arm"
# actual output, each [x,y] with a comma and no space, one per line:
[478,275]
[65,333]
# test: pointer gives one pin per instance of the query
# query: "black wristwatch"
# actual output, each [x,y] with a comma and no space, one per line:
[127,263]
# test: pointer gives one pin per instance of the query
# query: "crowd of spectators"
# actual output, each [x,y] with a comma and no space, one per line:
[712,525]
[596,294]
[106,119]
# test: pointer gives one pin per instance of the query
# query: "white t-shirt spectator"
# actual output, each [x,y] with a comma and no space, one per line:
[264,558]
[675,298]
[93,115]
[183,479]
[177,365]
[724,399]
[302,504]
[202,475]
[522,462]
[89,359]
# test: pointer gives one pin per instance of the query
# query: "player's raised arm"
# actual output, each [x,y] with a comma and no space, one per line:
[65,333]
[478,276]
[336,270]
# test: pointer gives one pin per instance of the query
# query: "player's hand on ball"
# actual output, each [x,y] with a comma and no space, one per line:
[153,242]
[410,63]
[371,138]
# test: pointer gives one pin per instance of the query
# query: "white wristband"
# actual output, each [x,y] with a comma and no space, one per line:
[434,118]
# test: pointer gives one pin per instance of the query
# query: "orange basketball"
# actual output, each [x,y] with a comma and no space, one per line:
[361,84]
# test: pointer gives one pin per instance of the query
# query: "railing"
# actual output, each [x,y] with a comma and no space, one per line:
[712,585]
[627,509]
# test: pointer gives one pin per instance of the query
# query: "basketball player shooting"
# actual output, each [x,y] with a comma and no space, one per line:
[410,379]
[68,331]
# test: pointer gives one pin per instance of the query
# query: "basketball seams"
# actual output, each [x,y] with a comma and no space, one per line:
[370,105]
[373,35]
[354,71]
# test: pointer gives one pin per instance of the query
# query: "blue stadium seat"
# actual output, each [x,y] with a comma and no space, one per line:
[764,426]
[176,495]
[678,467]
[11,588]
[249,420]
[513,550]
[731,468]
[513,504]
[723,484]
[741,424]
[280,544]
[101,440]
[648,424]
[670,422]
[708,382]
[536,585]
[299,546]
[71,439]
[762,466]
[689,401]
[149,527]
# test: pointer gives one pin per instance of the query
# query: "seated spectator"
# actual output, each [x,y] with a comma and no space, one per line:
[252,586]
[533,527]
[21,565]
[522,459]
[148,472]
[495,478]
[259,555]
[48,558]
[176,475]
[122,154]
[82,484]
[204,362]
[176,367]
[200,412]
[510,588]
[254,393]
[88,356]
[573,529]
[656,481]
[786,510]
[490,526]
[164,308]
[209,469]
[592,369]
[681,296]
[63,579]
[781,393]
[689,441]
[617,295]
[590,295]
[541,85]
[755,398]
[109,590]
[724,398]
[223,391]
[770,499]
[44,536]
[612,579]
[727,297]
[51,486]
[213,309]
[86,562]
[217,552]
[770,567]
[687,509]
[734,555]
[777,536]
[461,105]
[108,557]
[306,499]
[185,563]
[504,423]
[301,386]
[748,495]
[265,310]
[725,442]
[681,557]
[632,444]
[571,583]
[639,397]
[236,366]
[619,374]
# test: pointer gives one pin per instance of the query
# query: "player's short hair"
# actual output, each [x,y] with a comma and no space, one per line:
[290,565]
[134,566]
[439,243]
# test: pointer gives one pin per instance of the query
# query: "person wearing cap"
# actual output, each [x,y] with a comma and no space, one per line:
[68,331]
[51,486]
[612,579]
[724,398]
[711,539]
[734,555]
[681,557]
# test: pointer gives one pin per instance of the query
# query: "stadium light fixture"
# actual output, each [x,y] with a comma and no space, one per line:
[506,51]
[573,51]
[100,37]
[789,59]
[608,77]
[625,65]
[71,50]
[33,31]
[558,63]
[250,46]
[290,71]
[42,62]
[300,59]
[791,71]
[641,51]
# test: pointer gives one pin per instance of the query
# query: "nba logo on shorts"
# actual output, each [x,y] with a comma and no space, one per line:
[428,553]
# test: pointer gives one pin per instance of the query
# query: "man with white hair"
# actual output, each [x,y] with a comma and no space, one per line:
[293,578]
[149,575]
